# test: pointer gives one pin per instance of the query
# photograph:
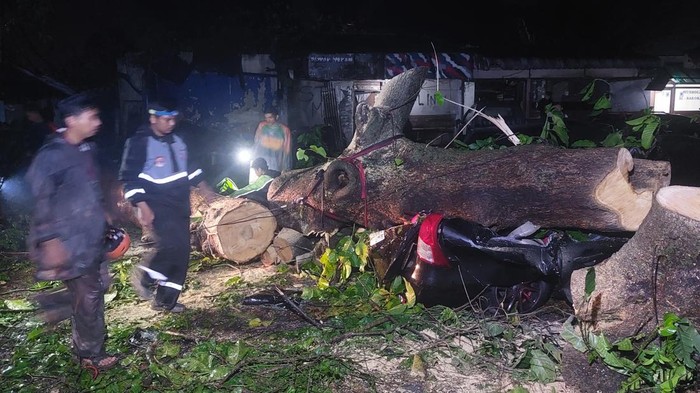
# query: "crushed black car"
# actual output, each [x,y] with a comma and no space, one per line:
[451,261]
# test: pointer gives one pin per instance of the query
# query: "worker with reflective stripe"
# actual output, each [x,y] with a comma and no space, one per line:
[157,174]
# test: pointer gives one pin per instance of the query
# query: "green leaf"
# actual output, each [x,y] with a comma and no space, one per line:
[648,135]
[219,372]
[637,122]
[602,347]
[346,269]
[398,161]
[587,91]
[18,305]
[590,282]
[624,344]
[570,335]
[397,310]
[323,283]
[237,352]
[525,139]
[301,155]
[688,343]
[167,350]
[584,143]
[362,250]
[410,294]
[602,103]
[318,150]
[613,139]
[439,98]
[542,367]
[563,134]
[493,329]
[397,285]
[234,281]
[448,316]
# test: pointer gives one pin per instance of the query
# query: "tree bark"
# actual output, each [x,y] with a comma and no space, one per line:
[552,187]
[656,271]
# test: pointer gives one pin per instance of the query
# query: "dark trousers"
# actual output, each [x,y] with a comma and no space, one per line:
[167,264]
[83,301]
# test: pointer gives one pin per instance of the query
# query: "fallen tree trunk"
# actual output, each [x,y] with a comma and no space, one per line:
[237,229]
[657,271]
[382,179]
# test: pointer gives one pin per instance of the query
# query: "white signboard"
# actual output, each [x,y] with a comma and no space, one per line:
[426,103]
[687,99]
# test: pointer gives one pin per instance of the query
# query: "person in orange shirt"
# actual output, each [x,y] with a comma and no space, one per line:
[273,142]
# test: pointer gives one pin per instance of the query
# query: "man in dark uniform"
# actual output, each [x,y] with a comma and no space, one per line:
[157,171]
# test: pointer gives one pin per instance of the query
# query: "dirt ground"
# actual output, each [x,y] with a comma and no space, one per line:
[437,376]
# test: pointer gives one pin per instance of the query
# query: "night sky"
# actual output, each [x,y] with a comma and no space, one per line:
[77,42]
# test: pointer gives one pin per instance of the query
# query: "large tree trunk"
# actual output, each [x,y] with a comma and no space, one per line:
[657,271]
[382,179]
[237,229]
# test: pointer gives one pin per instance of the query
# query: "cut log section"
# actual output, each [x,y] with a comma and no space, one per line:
[270,257]
[287,245]
[290,244]
[237,229]
[657,271]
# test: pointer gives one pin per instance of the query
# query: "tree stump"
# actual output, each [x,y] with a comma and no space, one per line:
[237,229]
[656,271]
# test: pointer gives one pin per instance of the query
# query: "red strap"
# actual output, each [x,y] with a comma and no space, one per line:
[358,164]
[363,184]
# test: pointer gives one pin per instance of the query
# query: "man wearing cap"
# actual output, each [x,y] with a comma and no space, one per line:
[157,172]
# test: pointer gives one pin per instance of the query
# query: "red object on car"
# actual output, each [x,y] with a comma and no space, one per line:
[428,247]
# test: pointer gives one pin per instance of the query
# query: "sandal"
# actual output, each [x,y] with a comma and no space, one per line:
[103,362]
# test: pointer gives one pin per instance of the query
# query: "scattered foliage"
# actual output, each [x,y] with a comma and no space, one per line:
[358,317]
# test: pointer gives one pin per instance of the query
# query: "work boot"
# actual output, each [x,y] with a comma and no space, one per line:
[177,308]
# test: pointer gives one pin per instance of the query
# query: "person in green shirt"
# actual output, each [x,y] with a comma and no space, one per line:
[257,190]
[273,142]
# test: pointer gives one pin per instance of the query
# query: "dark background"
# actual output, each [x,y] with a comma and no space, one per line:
[77,42]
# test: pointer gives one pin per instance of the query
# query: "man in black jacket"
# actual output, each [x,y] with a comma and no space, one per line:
[157,171]
[66,237]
